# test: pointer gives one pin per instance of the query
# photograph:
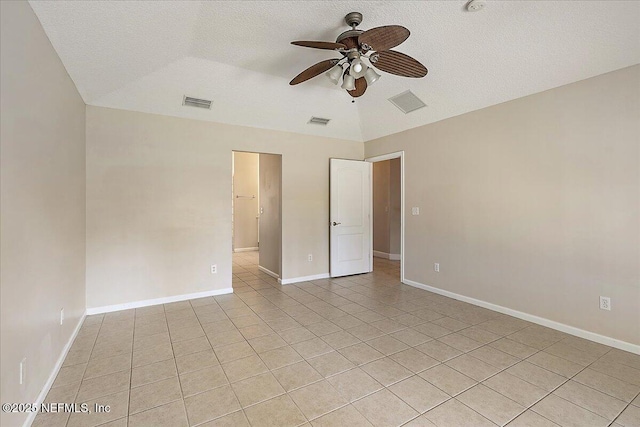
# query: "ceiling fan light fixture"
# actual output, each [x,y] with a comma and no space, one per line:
[349,82]
[371,76]
[334,74]
[362,51]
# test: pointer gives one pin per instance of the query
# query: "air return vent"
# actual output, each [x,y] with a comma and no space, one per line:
[196,102]
[319,121]
[407,102]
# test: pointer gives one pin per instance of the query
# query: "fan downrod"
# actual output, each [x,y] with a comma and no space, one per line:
[353,19]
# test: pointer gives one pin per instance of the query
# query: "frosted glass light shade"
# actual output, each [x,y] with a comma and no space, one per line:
[349,82]
[358,68]
[334,74]
[371,76]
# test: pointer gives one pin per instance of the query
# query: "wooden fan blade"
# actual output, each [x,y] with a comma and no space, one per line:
[313,71]
[320,45]
[383,38]
[398,63]
[361,87]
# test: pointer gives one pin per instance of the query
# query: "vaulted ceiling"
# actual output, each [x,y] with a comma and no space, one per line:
[144,56]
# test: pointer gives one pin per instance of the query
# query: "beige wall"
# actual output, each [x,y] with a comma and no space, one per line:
[158,205]
[533,204]
[381,206]
[386,206]
[245,209]
[394,206]
[270,218]
[42,137]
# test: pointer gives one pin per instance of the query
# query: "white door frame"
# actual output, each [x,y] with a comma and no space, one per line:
[381,158]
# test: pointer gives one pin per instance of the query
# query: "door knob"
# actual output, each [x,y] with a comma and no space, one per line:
[336,223]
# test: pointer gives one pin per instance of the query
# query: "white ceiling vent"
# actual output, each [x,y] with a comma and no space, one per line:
[319,121]
[196,102]
[407,102]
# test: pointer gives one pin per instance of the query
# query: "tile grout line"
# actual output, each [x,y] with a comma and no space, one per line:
[286,392]
[503,370]
[148,364]
[443,362]
[322,377]
[491,376]
[624,409]
[506,336]
[101,376]
[85,368]
[175,364]
[269,371]
[385,356]
[133,343]
[221,368]
[557,387]
[574,403]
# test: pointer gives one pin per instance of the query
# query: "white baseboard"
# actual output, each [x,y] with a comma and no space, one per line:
[303,279]
[269,272]
[380,254]
[54,373]
[245,249]
[572,330]
[156,301]
[392,257]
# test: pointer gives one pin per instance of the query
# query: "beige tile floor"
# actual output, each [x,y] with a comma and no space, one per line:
[358,351]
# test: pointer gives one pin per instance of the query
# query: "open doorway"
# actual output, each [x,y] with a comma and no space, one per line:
[387,212]
[256,216]
[351,216]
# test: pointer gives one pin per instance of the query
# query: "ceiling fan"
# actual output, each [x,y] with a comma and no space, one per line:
[354,45]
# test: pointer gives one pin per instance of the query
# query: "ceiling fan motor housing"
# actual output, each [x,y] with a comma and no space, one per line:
[349,38]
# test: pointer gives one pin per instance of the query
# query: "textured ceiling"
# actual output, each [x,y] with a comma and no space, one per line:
[145,56]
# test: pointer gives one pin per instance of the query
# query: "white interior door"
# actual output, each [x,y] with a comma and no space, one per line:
[350,217]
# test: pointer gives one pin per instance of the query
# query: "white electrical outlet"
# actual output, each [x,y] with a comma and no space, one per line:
[214,268]
[23,370]
[415,211]
[310,257]
[605,303]
[436,267]
[61,316]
